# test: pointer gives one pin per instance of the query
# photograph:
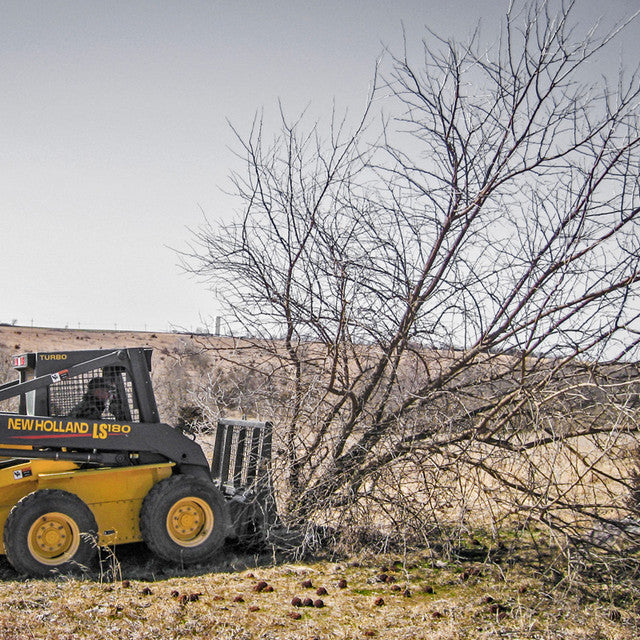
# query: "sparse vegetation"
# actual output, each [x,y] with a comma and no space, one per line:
[445,334]
[447,304]
[469,583]
[243,598]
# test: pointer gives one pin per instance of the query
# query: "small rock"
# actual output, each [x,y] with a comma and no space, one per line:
[614,615]
[498,608]
[471,572]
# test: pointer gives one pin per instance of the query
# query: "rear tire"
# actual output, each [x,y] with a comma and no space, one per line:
[184,520]
[50,531]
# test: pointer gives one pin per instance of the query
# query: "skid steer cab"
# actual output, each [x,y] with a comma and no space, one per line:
[86,463]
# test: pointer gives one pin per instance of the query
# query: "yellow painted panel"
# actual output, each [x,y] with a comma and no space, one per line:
[114,495]
[20,480]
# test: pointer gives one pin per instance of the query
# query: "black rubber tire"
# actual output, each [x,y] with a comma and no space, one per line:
[50,531]
[184,520]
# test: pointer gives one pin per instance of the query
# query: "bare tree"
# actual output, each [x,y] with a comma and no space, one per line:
[448,300]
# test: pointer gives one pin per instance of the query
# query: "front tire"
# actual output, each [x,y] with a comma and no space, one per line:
[50,531]
[184,520]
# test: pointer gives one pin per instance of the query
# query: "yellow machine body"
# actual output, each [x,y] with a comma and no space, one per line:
[114,495]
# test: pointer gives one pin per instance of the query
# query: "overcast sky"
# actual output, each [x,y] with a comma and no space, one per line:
[114,135]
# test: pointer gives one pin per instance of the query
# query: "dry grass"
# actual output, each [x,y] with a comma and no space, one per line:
[447,601]
[473,601]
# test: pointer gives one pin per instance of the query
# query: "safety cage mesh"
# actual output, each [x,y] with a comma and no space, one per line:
[68,396]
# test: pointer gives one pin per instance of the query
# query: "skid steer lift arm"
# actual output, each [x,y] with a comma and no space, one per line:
[45,422]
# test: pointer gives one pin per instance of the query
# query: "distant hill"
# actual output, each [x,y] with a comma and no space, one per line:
[16,339]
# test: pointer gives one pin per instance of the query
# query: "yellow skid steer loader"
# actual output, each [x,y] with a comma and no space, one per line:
[87,463]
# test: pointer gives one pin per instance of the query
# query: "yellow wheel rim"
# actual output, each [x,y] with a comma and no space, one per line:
[190,522]
[53,538]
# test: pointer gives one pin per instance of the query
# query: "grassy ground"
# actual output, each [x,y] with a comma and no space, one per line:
[414,600]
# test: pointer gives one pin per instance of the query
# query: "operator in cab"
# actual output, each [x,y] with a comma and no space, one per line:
[94,401]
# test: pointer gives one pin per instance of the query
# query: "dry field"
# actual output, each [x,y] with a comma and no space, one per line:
[134,596]
[384,597]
